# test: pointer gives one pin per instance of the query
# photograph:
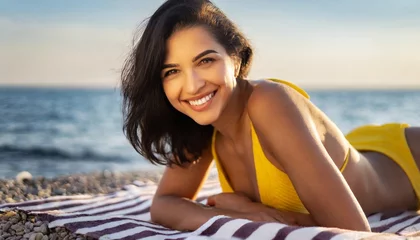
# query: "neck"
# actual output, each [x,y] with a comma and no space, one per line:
[234,117]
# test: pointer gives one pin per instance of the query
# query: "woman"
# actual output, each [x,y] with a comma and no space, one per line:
[278,156]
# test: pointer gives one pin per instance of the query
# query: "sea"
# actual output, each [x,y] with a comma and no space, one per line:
[57,131]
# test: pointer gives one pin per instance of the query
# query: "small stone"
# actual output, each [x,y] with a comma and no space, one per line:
[24,176]
[44,237]
[106,173]
[59,191]
[44,228]
[15,219]
[7,215]
[18,227]
[63,234]
[29,225]
[23,216]
[9,200]
[37,223]
[7,226]
[6,235]
[33,236]
[36,236]
[53,236]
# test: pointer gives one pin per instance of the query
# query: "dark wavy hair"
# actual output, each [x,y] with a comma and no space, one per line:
[153,126]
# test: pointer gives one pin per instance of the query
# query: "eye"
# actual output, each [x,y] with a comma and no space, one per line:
[170,72]
[206,60]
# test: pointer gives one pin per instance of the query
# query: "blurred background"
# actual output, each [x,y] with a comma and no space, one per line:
[60,106]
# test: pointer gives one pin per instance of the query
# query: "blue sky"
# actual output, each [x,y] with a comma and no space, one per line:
[343,43]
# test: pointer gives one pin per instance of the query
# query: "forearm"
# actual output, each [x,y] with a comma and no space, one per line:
[183,214]
[288,217]
[186,215]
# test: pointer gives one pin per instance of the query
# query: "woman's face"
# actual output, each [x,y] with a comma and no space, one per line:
[198,75]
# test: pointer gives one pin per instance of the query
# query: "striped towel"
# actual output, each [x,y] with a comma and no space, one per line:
[125,215]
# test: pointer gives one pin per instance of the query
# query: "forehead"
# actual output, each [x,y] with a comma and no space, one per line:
[189,42]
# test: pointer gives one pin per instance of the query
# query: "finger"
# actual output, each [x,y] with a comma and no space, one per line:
[284,220]
[211,200]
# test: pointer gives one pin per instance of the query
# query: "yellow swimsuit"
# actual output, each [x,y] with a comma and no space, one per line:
[276,189]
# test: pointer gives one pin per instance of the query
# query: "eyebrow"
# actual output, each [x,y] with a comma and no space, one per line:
[171,65]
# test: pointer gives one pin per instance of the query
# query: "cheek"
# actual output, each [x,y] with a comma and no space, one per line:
[172,92]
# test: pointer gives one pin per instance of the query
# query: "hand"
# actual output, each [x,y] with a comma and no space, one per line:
[286,217]
[230,201]
[255,211]
[266,217]
[249,210]
[260,212]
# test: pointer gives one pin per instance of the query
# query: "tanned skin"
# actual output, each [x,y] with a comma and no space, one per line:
[371,182]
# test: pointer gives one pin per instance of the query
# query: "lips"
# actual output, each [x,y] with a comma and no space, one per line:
[202,102]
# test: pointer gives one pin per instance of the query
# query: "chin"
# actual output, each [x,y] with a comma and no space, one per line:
[204,120]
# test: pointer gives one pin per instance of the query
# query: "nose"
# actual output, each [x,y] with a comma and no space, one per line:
[193,82]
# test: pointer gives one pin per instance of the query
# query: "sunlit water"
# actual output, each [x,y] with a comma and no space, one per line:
[52,132]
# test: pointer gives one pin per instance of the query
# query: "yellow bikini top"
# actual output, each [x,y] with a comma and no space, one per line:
[274,186]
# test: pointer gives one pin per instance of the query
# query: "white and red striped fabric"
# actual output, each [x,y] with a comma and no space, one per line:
[125,215]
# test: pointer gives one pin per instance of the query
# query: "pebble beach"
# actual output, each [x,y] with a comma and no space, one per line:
[16,225]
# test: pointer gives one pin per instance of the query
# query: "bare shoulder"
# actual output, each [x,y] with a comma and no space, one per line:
[279,112]
[186,181]
[267,94]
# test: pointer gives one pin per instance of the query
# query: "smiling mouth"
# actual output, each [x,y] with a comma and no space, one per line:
[202,101]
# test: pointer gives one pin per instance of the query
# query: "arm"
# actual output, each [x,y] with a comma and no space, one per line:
[173,201]
[287,217]
[318,182]
[173,204]
[241,203]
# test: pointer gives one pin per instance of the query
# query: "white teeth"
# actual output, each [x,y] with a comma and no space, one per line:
[202,100]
